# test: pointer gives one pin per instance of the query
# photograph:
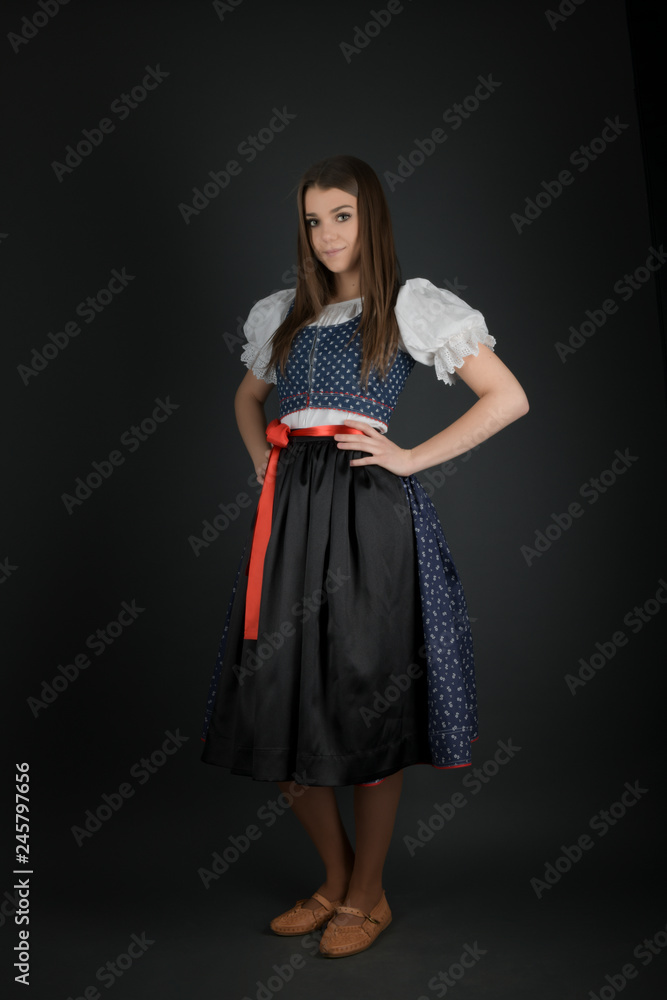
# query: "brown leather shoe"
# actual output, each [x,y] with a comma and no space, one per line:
[300,919]
[339,940]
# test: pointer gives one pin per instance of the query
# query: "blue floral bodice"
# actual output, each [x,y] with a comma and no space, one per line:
[324,371]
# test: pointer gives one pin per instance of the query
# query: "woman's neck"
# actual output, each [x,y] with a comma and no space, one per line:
[346,286]
[337,301]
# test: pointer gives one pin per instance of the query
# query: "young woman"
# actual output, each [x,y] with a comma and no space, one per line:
[346,654]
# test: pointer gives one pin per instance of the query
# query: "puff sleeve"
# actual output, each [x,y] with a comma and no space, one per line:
[263,320]
[438,328]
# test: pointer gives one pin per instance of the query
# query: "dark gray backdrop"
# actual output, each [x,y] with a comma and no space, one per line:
[171,333]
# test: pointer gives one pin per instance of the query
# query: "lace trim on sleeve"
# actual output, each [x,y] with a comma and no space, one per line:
[450,356]
[253,359]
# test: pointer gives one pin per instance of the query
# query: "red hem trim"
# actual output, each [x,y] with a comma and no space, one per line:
[438,767]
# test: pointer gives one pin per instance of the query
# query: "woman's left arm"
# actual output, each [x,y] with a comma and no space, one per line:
[501,401]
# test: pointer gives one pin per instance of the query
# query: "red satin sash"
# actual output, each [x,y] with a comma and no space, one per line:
[277,434]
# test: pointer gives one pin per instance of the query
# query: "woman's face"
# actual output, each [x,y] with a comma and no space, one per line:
[333,224]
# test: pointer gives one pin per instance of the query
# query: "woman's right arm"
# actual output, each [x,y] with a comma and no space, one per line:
[251,419]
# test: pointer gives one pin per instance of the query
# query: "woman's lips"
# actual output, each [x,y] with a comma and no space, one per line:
[332,253]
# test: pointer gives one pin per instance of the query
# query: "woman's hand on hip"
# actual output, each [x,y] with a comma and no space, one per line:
[382,451]
[260,470]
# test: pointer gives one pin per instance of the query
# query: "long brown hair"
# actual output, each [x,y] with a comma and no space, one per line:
[379,268]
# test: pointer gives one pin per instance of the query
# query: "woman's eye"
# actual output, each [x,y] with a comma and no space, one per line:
[311,223]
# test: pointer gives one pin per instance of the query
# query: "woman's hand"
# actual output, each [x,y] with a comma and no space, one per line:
[260,470]
[382,451]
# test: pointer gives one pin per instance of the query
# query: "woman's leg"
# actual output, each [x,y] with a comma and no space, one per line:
[316,809]
[374,815]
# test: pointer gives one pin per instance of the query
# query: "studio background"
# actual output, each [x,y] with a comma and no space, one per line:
[169,338]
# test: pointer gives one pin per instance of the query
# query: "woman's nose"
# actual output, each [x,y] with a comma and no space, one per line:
[327,234]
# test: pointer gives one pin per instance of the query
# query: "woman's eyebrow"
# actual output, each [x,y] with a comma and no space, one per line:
[332,210]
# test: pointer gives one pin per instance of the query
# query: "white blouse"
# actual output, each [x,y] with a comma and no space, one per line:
[436,327]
